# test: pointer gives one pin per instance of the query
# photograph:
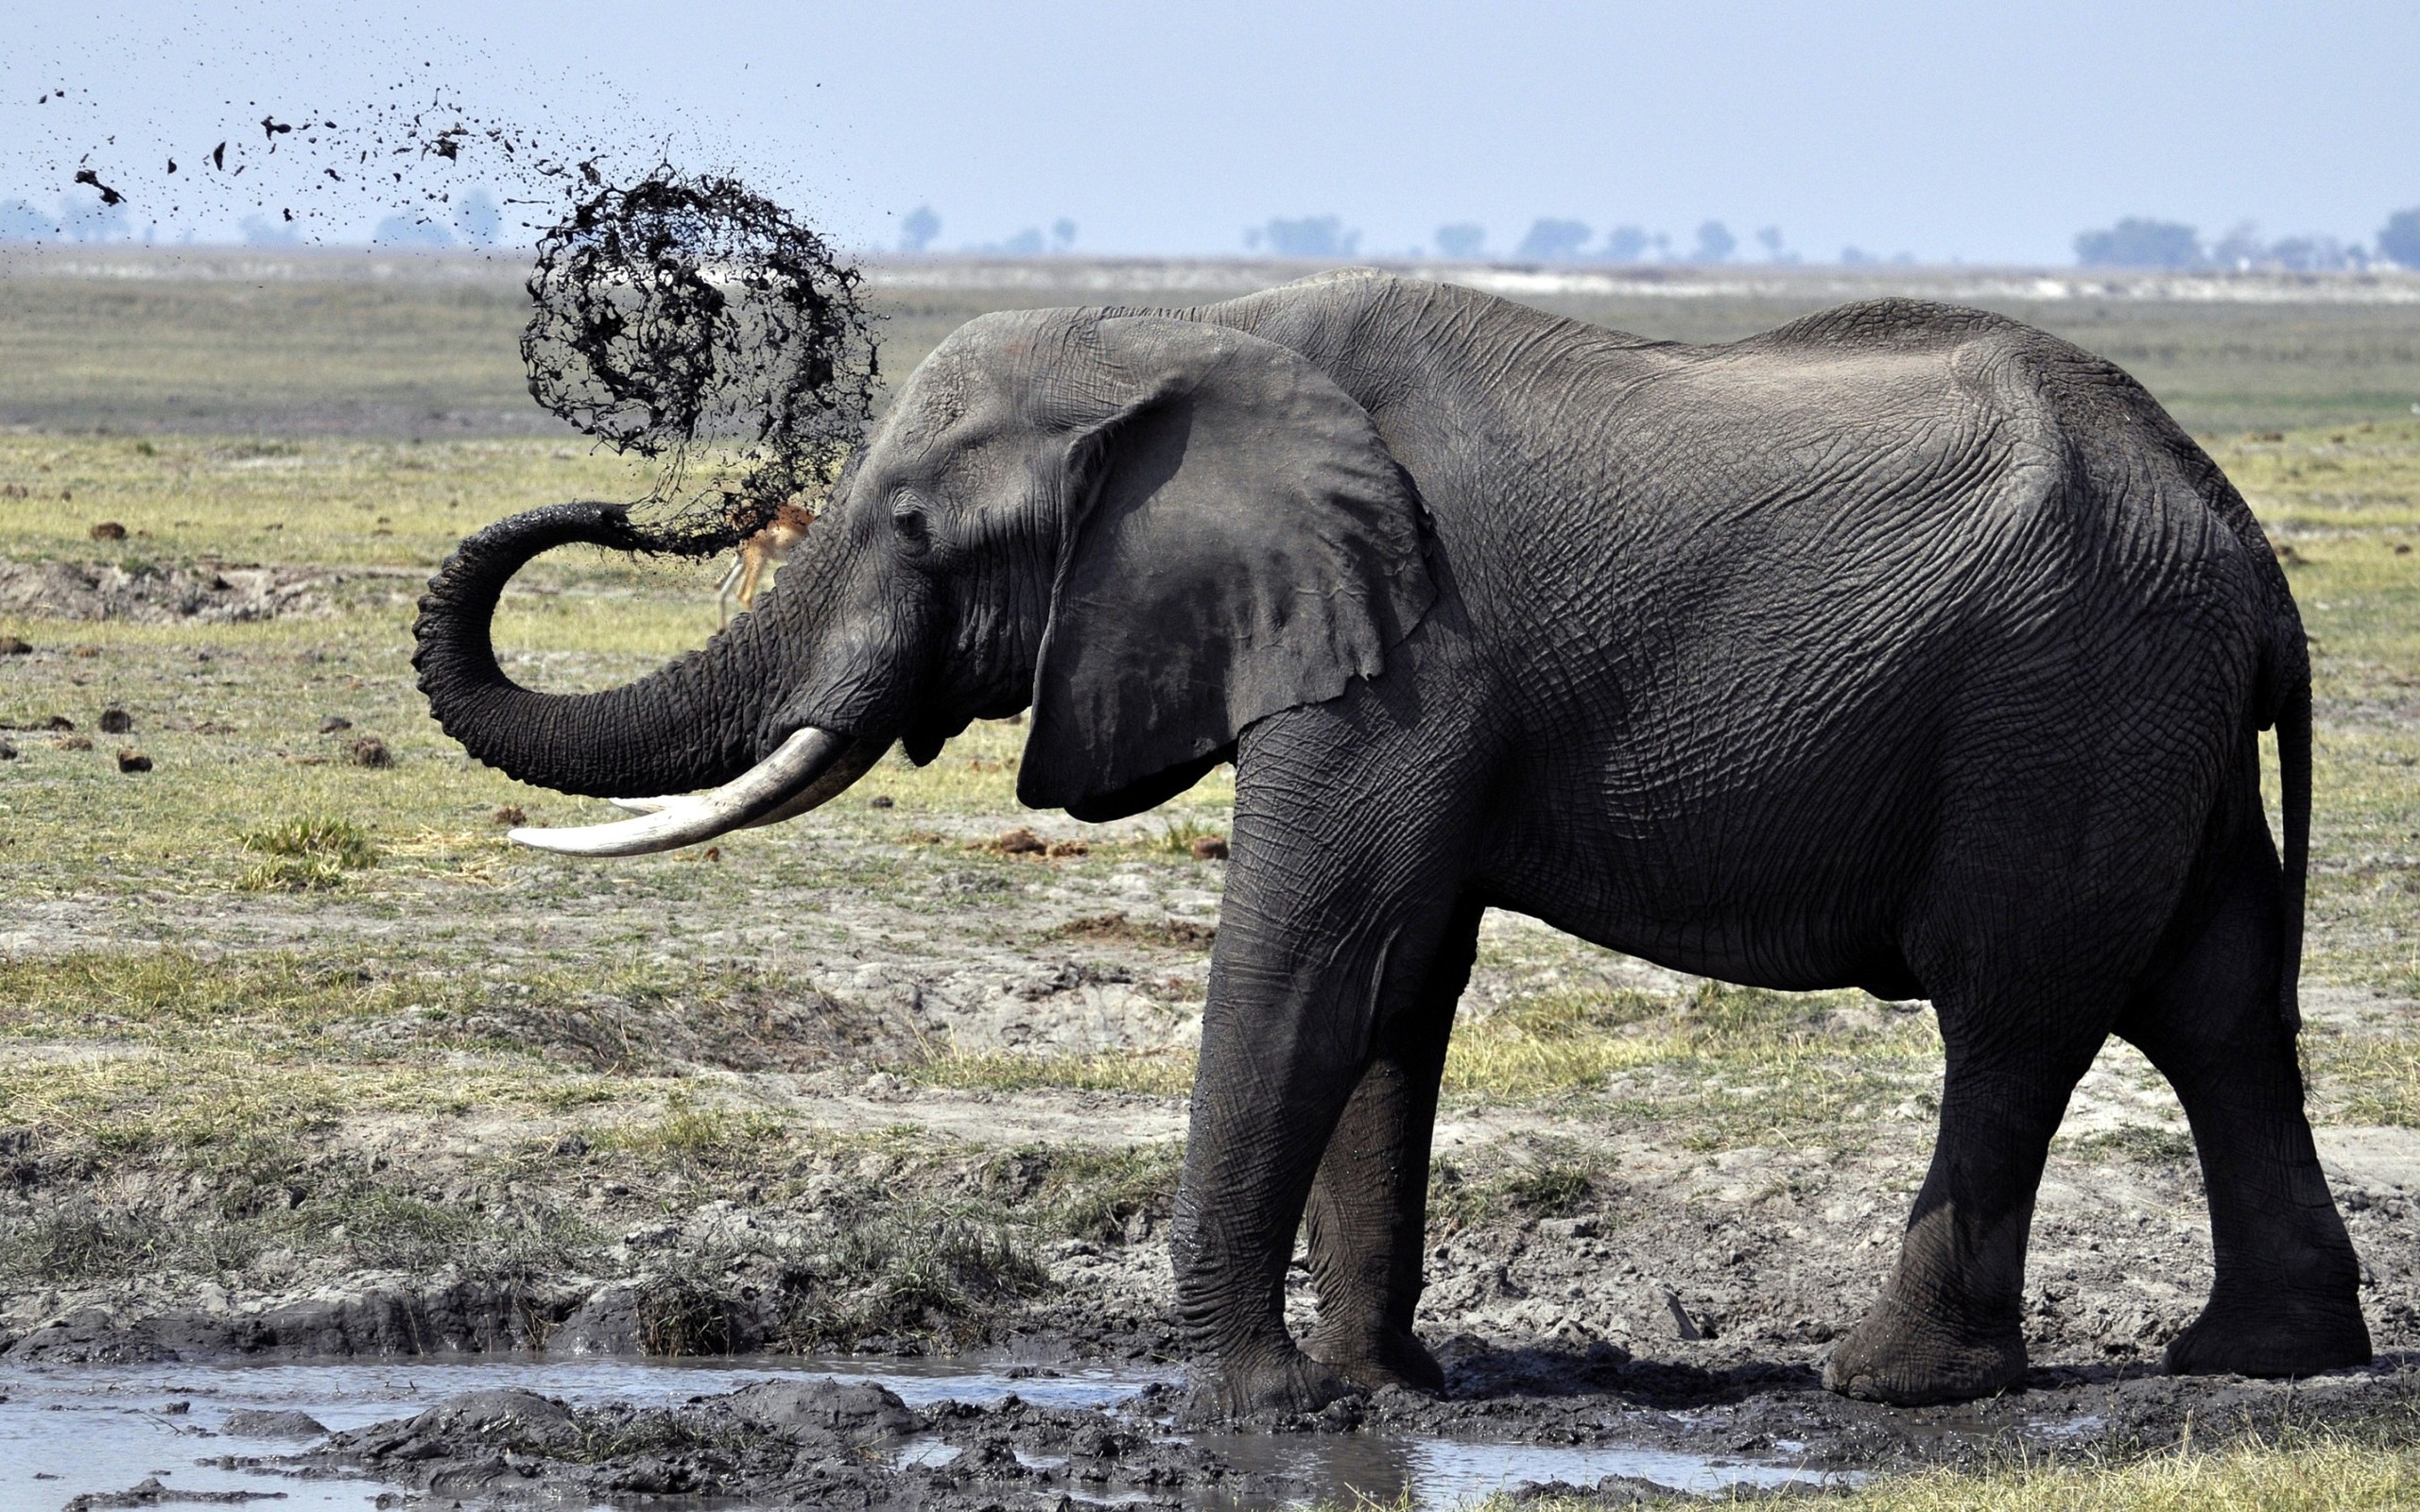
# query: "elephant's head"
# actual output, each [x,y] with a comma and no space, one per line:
[1151,530]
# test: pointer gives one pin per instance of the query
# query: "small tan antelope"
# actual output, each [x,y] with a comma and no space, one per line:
[767,548]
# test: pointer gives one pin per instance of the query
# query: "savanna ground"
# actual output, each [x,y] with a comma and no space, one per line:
[298,1054]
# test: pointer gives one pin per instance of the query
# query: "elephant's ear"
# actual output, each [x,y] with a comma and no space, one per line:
[1238,542]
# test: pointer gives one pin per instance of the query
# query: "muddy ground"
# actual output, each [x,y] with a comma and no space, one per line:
[833,1443]
[1599,1272]
[1631,1263]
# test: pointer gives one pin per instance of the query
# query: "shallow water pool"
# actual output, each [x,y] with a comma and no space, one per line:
[67,1430]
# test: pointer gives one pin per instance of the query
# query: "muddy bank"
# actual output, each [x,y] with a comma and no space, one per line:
[991,1430]
[826,1442]
[1697,1267]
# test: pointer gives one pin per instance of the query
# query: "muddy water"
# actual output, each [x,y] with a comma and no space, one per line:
[69,1431]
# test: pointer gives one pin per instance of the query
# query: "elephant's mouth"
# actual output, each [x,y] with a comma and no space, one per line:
[808,769]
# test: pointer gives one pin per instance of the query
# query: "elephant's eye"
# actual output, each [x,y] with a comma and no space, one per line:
[911,519]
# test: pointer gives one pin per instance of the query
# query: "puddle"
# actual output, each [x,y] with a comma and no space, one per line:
[65,1430]
[1450,1472]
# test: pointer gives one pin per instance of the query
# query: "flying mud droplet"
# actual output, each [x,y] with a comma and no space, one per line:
[109,195]
[695,322]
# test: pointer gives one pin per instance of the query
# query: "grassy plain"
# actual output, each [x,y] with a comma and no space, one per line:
[295,342]
[232,711]
[383,1065]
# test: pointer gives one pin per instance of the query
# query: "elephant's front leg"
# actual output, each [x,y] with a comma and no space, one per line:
[1369,1205]
[1338,893]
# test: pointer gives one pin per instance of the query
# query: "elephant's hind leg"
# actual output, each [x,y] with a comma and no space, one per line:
[1369,1205]
[2285,1301]
[1946,1327]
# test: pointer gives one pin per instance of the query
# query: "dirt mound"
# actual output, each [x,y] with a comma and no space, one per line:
[161,596]
[813,1443]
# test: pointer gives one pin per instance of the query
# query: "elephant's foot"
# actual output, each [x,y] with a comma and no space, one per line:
[2276,1333]
[1381,1357]
[1907,1359]
[1290,1381]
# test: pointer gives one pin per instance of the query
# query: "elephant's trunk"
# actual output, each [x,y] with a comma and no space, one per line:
[693,724]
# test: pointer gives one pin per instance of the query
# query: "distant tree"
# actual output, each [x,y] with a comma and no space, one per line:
[1770,238]
[1026,243]
[1626,244]
[917,231]
[1554,241]
[21,220]
[2240,248]
[1461,241]
[2315,254]
[1312,236]
[478,218]
[1715,243]
[1062,234]
[2138,242]
[410,231]
[2399,238]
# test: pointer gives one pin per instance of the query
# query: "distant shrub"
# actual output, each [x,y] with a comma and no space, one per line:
[1628,244]
[1554,241]
[1461,242]
[1309,236]
[2139,242]
[2399,239]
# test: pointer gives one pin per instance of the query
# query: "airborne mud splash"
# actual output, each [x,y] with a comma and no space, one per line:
[694,322]
[683,319]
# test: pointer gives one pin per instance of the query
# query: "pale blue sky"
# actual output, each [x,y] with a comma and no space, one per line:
[1949,131]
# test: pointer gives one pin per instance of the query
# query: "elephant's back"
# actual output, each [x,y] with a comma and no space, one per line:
[1851,589]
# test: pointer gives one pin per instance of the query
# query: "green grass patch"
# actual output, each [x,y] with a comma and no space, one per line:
[1086,1193]
[698,1139]
[2361,1078]
[306,854]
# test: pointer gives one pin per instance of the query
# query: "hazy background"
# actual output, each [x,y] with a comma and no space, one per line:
[1894,129]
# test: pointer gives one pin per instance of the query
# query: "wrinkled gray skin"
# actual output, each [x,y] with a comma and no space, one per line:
[1904,648]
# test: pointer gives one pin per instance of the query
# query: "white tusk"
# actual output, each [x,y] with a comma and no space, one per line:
[768,788]
[855,764]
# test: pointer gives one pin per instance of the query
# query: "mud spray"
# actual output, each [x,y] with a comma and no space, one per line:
[694,322]
[683,319]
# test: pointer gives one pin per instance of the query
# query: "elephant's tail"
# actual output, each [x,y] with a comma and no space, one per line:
[2294,769]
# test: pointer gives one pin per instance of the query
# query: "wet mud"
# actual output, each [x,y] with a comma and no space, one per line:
[827,1442]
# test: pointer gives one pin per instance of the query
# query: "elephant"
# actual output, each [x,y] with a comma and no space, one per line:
[1903,648]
